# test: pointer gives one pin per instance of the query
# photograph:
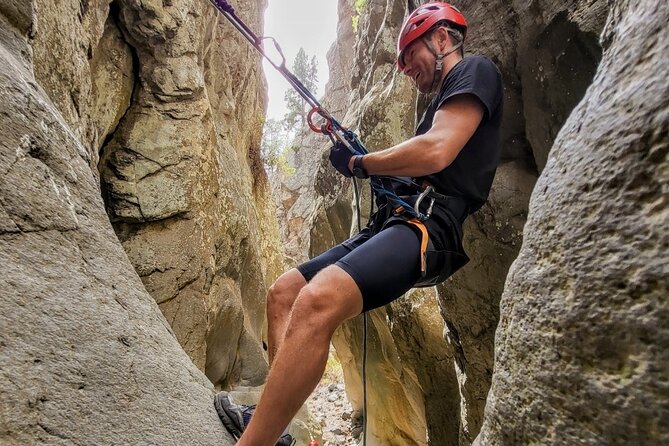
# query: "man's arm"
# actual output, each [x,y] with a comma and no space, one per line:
[454,123]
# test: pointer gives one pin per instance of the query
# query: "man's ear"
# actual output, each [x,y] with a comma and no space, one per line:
[443,38]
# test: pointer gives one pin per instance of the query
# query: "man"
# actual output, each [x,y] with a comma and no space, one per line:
[456,150]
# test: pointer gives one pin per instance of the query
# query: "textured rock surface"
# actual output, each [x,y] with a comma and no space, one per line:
[183,183]
[468,300]
[582,345]
[545,51]
[87,357]
[84,65]
[155,89]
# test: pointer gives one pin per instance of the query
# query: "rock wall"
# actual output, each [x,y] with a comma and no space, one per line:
[169,103]
[87,357]
[582,345]
[547,53]
[184,184]
[157,107]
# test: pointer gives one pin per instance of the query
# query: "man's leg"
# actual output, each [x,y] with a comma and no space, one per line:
[280,299]
[328,300]
[283,293]
[381,268]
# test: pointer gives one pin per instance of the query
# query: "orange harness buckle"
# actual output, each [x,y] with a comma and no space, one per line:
[423,243]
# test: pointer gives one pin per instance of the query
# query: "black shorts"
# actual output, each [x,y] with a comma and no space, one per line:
[384,266]
[387,264]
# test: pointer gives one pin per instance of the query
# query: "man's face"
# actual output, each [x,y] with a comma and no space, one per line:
[419,64]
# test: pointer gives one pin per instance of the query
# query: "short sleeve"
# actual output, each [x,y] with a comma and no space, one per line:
[477,76]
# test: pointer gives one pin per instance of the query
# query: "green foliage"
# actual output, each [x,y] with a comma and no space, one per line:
[359,5]
[275,146]
[306,70]
[354,22]
[278,135]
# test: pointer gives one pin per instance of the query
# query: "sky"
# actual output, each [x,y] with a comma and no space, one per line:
[310,24]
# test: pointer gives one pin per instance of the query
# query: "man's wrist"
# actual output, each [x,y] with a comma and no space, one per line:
[358,167]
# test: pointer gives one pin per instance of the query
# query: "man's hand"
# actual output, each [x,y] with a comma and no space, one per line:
[340,158]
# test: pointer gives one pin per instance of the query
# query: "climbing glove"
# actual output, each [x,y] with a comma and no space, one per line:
[339,158]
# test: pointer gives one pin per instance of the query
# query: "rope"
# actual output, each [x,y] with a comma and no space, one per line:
[332,128]
[356,193]
[364,379]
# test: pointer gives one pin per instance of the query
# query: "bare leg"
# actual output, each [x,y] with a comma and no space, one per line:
[331,298]
[280,300]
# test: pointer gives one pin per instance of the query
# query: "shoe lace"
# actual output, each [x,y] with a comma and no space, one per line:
[247,413]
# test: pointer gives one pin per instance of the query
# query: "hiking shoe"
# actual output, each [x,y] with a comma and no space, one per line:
[236,417]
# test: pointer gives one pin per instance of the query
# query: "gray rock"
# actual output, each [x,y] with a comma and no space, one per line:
[184,185]
[87,357]
[582,348]
[150,91]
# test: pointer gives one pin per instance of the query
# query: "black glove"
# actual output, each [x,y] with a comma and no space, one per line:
[339,158]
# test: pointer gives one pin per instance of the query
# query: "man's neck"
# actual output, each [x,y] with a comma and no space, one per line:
[449,62]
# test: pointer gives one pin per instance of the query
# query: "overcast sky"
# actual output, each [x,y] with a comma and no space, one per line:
[310,24]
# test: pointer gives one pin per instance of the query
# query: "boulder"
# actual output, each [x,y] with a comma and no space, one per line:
[581,348]
[183,182]
[87,357]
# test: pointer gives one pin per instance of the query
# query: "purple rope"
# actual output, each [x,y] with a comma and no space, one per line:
[225,6]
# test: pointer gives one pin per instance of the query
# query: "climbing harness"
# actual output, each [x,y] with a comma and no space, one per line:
[382,186]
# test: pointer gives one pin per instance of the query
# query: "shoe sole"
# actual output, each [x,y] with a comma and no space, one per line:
[228,417]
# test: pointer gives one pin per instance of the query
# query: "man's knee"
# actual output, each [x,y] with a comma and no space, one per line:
[328,300]
[283,292]
[312,310]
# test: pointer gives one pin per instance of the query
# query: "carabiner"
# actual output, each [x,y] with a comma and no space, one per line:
[326,128]
[416,207]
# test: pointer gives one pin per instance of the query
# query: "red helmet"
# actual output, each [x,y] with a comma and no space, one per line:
[423,19]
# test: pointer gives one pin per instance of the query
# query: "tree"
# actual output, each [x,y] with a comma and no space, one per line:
[307,72]
[278,135]
[275,143]
[272,143]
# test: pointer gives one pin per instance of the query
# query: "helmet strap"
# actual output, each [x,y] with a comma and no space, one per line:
[439,59]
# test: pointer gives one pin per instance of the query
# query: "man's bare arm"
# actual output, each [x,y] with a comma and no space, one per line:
[453,124]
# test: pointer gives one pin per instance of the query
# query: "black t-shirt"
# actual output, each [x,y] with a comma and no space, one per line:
[471,173]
